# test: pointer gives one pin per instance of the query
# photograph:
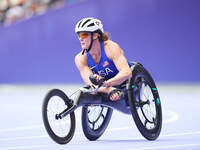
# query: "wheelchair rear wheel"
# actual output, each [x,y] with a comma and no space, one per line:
[145,103]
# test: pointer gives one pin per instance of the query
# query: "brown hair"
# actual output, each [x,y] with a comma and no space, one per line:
[103,36]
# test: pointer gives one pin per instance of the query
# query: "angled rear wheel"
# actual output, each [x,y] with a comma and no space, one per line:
[145,103]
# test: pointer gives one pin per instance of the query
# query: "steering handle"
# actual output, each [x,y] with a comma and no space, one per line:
[94,81]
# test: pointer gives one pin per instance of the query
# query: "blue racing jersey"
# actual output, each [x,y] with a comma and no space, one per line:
[105,68]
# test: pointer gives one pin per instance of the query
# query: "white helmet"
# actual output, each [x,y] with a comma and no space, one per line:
[89,24]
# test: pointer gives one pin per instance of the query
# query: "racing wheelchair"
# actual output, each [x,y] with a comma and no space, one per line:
[141,100]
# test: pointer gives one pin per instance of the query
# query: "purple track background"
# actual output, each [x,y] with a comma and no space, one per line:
[163,35]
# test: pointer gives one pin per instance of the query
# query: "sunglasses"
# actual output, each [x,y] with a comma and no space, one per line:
[83,35]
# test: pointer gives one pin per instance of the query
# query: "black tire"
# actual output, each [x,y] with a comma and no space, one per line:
[65,135]
[141,80]
[93,129]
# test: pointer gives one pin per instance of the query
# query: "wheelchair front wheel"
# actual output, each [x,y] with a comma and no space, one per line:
[145,103]
[60,130]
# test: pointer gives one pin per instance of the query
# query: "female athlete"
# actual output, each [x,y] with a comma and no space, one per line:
[100,56]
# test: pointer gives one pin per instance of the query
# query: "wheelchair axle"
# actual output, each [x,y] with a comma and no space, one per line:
[65,112]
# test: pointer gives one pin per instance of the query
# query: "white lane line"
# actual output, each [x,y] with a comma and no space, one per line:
[171,117]
[165,147]
[181,134]
[143,148]
[22,128]
[77,133]
[24,138]
[30,137]
[26,147]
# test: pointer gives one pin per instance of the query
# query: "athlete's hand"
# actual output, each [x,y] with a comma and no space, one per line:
[106,84]
[96,79]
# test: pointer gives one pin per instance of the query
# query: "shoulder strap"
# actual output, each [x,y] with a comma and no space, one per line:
[103,54]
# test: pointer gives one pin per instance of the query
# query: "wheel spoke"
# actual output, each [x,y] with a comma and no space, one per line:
[61,126]
[142,103]
[146,103]
[103,116]
[96,116]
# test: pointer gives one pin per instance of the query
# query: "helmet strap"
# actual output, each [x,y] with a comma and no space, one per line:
[87,50]
[83,51]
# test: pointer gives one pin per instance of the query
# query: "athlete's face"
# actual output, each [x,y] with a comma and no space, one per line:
[85,39]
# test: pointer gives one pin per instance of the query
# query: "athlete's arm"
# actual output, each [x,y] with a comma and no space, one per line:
[115,53]
[84,70]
